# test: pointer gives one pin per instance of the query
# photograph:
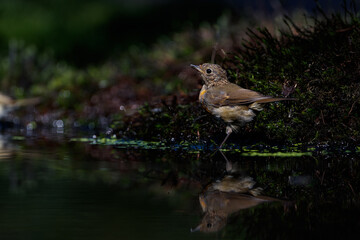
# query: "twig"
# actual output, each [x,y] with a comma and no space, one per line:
[214,52]
[352,106]
[217,37]
[322,117]
[322,178]
[352,189]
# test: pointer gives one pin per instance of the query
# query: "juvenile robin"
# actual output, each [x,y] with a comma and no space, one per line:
[233,104]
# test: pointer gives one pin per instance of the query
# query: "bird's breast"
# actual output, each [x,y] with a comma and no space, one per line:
[234,114]
[239,114]
[202,94]
[202,100]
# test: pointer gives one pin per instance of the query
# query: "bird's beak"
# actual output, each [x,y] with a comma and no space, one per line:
[196,67]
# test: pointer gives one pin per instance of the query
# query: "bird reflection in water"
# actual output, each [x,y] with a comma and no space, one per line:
[7,150]
[231,194]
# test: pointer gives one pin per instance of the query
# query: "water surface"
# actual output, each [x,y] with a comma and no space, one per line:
[53,187]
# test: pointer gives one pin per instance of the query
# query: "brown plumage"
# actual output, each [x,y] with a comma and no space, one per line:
[228,101]
[229,195]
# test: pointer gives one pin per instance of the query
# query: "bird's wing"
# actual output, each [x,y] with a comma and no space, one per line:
[232,94]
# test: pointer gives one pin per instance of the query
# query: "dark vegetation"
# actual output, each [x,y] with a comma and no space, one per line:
[150,93]
[319,64]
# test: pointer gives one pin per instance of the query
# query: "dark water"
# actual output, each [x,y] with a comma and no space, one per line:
[54,188]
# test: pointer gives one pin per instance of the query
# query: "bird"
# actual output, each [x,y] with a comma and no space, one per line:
[218,206]
[230,102]
[229,195]
[8,104]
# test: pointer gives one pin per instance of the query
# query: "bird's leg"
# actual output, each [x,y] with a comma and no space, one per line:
[228,132]
[229,165]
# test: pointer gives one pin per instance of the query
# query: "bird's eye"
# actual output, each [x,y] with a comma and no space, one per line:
[208,71]
[209,225]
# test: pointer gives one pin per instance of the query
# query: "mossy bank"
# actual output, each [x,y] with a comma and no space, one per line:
[318,64]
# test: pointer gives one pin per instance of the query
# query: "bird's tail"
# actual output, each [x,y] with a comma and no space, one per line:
[271,99]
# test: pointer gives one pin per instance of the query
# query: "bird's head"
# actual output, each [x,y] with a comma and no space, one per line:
[212,74]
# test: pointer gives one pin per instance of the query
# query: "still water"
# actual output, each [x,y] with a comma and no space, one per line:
[52,187]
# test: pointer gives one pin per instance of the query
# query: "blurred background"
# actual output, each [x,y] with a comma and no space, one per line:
[84,32]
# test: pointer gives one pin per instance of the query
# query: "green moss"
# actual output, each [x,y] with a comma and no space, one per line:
[321,62]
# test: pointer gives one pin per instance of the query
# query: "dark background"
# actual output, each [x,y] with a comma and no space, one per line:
[84,32]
